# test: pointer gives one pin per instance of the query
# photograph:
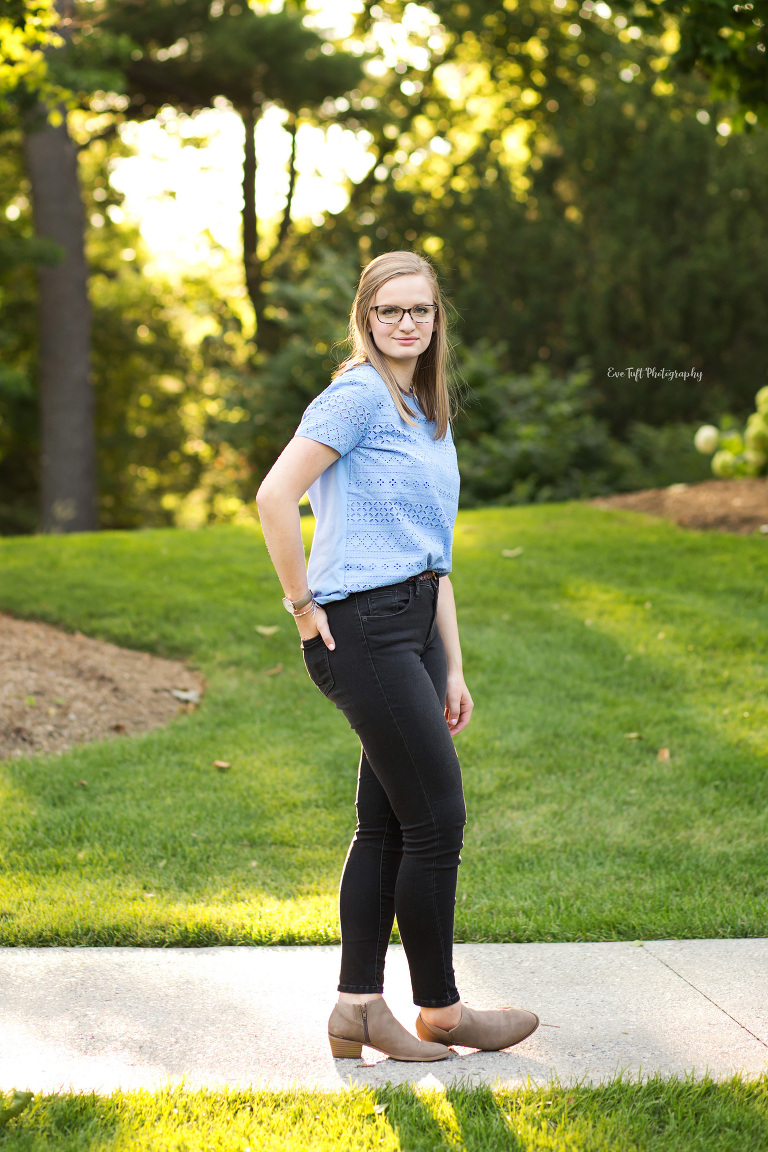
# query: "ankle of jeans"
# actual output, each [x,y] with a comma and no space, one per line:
[444,1003]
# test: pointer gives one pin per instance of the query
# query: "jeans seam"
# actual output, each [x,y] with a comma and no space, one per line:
[421,784]
[381,893]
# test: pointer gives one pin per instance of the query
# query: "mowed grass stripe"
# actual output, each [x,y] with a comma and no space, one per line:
[605,624]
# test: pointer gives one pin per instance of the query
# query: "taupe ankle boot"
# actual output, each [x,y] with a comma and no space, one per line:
[352,1025]
[490,1031]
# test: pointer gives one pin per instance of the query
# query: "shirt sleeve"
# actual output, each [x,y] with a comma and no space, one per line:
[339,416]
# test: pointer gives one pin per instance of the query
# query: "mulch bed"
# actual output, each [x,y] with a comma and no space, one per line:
[58,689]
[714,505]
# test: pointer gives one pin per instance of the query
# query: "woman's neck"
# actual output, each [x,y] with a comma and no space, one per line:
[403,371]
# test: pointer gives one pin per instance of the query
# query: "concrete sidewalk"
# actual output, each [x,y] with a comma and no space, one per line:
[101,1018]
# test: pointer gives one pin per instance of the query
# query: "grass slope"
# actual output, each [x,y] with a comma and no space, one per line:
[658,1116]
[606,623]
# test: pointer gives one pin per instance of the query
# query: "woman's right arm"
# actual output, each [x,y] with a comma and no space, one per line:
[295,470]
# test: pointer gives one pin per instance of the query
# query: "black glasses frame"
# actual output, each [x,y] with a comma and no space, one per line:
[375,308]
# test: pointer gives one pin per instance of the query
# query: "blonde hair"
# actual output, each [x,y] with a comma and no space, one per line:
[431,376]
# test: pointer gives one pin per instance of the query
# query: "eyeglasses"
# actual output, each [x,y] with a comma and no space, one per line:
[393,313]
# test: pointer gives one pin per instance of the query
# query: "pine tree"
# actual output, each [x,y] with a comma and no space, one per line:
[188,53]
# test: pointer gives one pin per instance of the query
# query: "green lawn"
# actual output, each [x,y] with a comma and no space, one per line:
[606,624]
[659,1116]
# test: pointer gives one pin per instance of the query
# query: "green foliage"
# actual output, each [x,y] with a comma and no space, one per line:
[18,1102]
[309,305]
[535,437]
[531,437]
[232,50]
[734,452]
[27,29]
[20,253]
[578,207]
[658,1115]
[603,624]
[581,213]
[251,58]
[726,42]
[652,457]
[165,360]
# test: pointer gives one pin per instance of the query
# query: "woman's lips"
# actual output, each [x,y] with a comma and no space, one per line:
[406,339]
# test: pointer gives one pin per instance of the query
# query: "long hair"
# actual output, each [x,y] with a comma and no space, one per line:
[431,376]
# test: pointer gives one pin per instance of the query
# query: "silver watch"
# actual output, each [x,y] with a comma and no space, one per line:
[292,605]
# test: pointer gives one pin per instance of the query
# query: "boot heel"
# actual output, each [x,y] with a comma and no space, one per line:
[341,1048]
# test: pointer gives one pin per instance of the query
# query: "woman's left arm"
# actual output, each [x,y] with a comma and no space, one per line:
[458,702]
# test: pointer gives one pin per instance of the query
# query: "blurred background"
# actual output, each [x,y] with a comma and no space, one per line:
[189,189]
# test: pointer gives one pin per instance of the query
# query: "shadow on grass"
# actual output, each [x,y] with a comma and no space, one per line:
[661,1115]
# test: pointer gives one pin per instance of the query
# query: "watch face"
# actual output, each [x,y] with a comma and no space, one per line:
[287,605]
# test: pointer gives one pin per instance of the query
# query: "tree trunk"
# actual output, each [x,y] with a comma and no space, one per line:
[68,449]
[267,331]
[285,223]
[250,225]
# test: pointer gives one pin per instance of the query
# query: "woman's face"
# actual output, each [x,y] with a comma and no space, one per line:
[406,339]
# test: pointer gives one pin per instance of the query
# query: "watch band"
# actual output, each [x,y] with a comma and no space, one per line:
[292,605]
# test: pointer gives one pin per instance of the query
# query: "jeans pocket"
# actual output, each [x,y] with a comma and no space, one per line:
[382,603]
[317,663]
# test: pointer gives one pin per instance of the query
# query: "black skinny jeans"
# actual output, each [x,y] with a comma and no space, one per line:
[388,675]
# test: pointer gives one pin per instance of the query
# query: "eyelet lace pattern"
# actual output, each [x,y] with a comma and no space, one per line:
[399,489]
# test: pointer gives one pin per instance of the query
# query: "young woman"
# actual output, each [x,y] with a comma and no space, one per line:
[377,620]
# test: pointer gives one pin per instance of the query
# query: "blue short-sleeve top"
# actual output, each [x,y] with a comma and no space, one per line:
[385,510]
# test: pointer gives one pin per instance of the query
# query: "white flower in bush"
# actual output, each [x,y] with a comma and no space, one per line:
[707,439]
[732,441]
[756,435]
[724,464]
[739,454]
[755,462]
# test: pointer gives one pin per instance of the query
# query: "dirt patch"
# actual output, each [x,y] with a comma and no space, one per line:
[714,505]
[59,689]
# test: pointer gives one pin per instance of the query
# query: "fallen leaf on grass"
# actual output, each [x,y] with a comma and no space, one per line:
[379,1108]
[664,754]
[267,629]
[191,696]
[275,671]
[222,765]
[511,553]
[632,736]
[81,783]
